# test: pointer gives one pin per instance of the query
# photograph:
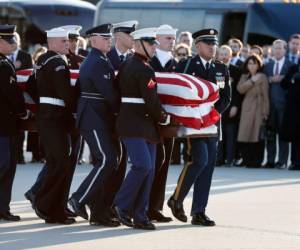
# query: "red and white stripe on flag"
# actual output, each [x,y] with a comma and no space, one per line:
[190,100]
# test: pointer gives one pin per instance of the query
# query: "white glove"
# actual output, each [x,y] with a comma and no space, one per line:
[167,121]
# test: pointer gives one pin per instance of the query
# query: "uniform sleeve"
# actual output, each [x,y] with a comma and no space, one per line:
[63,88]
[147,87]
[103,80]
[225,94]
[11,90]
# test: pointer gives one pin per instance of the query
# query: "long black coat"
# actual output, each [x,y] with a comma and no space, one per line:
[290,129]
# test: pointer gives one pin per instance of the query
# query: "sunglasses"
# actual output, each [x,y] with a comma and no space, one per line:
[181,54]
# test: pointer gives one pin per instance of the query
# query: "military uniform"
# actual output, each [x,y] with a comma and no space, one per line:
[199,172]
[12,107]
[98,102]
[140,106]
[164,153]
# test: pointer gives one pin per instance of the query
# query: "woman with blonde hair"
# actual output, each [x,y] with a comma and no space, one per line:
[255,110]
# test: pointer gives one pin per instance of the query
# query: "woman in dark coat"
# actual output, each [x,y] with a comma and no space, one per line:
[290,130]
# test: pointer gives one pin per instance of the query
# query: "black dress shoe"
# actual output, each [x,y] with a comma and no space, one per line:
[123,217]
[177,210]
[77,209]
[69,213]
[41,214]
[269,165]
[63,220]
[8,216]
[294,167]
[202,219]
[107,222]
[29,195]
[147,225]
[280,166]
[158,216]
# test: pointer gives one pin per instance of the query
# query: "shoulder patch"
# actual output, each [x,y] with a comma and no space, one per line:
[61,67]
[151,84]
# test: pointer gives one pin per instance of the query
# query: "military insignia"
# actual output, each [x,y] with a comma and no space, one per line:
[197,62]
[213,65]
[151,84]
[193,73]
[211,32]
[107,76]
[12,79]
[220,80]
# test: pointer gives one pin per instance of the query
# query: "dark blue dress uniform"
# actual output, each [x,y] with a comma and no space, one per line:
[199,172]
[55,121]
[98,102]
[140,113]
[12,107]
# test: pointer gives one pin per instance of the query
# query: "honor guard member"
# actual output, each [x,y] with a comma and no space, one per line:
[119,53]
[123,42]
[162,61]
[54,120]
[12,108]
[140,114]
[98,102]
[199,172]
[74,60]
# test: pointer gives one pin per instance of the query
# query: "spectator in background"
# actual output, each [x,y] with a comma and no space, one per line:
[275,71]
[230,118]
[245,52]
[21,60]
[255,110]
[185,37]
[291,117]
[257,50]
[294,48]
[37,53]
[236,47]
[267,51]
[82,47]
[182,51]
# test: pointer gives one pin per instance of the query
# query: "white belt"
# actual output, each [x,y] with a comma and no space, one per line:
[132,100]
[52,101]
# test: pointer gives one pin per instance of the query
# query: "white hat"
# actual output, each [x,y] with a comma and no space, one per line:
[57,32]
[166,29]
[126,27]
[146,34]
[73,29]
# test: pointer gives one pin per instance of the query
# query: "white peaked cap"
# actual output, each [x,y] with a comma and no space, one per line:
[128,25]
[73,29]
[146,33]
[57,32]
[166,29]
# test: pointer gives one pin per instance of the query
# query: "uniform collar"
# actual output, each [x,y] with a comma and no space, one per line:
[163,56]
[120,53]
[99,53]
[204,61]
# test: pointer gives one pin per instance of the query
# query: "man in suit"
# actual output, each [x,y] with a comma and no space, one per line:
[98,102]
[275,71]
[123,42]
[12,108]
[294,48]
[236,46]
[204,150]
[162,61]
[21,60]
[230,118]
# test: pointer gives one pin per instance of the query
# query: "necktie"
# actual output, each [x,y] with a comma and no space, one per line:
[293,58]
[276,68]
[207,68]
[122,57]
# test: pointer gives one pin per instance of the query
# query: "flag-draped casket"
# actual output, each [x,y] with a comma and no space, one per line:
[189,100]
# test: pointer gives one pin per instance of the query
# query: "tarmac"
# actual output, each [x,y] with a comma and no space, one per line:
[253,209]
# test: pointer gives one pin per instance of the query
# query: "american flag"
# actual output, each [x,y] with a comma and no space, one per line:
[189,100]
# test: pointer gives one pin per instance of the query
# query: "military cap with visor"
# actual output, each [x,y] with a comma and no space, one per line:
[7,33]
[101,30]
[208,36]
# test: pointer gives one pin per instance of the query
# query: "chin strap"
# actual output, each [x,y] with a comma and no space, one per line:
[146,53]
